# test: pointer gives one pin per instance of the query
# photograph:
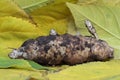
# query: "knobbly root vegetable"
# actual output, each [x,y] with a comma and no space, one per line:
[56,49]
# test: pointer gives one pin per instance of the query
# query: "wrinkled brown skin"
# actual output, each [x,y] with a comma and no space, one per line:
[66,49]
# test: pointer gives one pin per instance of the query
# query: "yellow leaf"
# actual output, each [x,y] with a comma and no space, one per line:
[90,71]
[19,74]
[53,16]
[9,8]
[14,31]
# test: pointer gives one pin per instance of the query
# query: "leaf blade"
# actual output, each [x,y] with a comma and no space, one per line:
[105,21]
[31,4]
[96,71]
[20,64]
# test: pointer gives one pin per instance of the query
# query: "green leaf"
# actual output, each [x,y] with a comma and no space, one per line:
[19,64]
[37,66]
[30,5]
[100,2]
[104,18]
[90,71]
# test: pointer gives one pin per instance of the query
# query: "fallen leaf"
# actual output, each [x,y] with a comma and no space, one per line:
[99,2]
[18,74]
[53,16]
[32,4]
[104,18]
[9,8]
[90,71]
[20,64]
[14,31]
